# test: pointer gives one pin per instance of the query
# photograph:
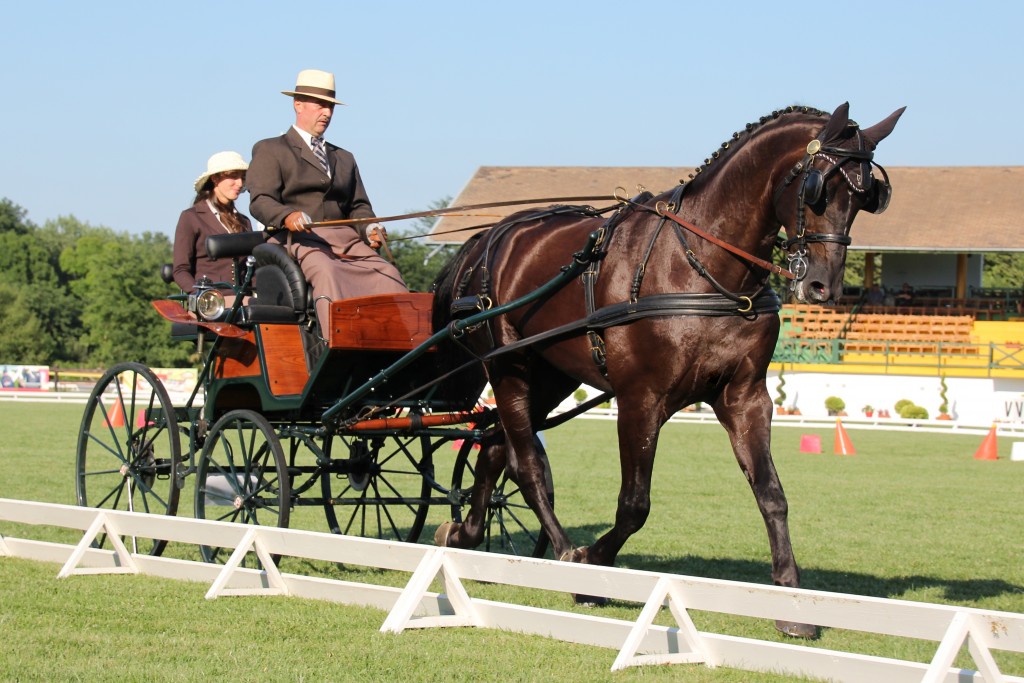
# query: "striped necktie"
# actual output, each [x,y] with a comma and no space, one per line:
[320,153]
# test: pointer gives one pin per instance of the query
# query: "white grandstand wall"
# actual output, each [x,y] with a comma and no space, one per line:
[971,400]
[975,400]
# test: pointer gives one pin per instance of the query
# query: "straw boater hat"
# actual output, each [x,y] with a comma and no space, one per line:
[316,84]
[221,162]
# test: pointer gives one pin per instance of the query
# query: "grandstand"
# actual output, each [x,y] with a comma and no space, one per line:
[923,340]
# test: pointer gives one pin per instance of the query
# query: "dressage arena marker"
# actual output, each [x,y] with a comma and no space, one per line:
[843,444]
[989,448]
[638,642]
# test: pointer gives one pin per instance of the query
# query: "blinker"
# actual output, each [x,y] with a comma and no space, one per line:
[812,186]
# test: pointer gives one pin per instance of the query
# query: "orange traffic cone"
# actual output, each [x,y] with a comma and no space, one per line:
[115,418]
[843,444]
[989,448]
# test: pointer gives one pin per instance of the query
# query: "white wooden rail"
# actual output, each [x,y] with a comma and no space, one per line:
[637,642]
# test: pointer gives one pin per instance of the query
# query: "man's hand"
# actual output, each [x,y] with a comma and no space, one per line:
[297,221]
[376,235]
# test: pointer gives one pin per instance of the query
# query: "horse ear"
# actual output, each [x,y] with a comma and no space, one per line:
[881,130]
[836,123]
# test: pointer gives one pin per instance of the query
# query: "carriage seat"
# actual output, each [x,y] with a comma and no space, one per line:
[282,295]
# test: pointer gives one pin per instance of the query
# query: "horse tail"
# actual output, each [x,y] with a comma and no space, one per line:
[465,385]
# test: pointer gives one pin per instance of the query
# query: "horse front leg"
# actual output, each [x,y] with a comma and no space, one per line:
[746,415]
[638,428]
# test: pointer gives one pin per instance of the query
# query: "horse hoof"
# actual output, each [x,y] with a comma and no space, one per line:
[443,534]
[579,555]
[797,630]
[589,600]
[574,555]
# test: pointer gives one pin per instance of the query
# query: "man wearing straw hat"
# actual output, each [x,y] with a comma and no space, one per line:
[299,179]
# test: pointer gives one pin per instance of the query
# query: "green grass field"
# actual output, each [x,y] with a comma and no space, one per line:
[909,516]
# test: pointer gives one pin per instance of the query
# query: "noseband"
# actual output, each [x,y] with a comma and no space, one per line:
[812,190]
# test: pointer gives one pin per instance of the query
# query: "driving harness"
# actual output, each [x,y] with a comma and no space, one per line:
[721,303]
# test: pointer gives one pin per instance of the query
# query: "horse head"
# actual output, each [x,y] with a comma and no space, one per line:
[819,199]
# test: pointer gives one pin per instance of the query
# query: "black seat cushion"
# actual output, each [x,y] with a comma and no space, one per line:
[279,283]
[231,245]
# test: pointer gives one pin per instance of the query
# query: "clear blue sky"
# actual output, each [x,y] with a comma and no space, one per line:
[110,109]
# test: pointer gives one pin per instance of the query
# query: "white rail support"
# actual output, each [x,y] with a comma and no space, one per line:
[433,564]
[962,627]
[125,562]
[251,541]
[694,654]
[636,642]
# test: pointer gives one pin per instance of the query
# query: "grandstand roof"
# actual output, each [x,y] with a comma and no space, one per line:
[933,209]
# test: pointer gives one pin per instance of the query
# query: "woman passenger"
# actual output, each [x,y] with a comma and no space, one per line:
[212,212]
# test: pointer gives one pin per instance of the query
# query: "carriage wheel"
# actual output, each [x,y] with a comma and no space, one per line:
[510,526]
[129,449]
[242,477]
[383,488]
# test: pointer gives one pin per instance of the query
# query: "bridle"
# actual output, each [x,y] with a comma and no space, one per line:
[812,193]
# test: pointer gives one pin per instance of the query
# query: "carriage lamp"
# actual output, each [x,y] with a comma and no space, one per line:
[206,301]
[210,305]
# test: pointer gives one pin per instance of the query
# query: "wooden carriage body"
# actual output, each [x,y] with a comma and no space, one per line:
[280,368]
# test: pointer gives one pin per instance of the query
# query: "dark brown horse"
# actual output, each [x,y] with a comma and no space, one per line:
[670,316]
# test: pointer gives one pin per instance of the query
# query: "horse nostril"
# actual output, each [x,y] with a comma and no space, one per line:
[819,291]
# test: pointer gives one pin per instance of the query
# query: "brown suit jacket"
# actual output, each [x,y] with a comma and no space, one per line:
[284,176]
[190,258]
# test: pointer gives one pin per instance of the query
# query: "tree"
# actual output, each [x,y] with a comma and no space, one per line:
[12,218]
[419,261]
[116,279]
[1003,270]
[24,340]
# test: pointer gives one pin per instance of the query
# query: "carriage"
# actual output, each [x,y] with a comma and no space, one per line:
[665,302]
[283,417]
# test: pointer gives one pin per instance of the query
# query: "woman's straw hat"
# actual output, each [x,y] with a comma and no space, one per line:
[316,84]
[221,162]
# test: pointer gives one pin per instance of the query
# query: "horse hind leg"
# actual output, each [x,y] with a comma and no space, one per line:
[513,396]
[469,533]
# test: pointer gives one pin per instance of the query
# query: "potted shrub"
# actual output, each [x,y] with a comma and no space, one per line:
[780,400]
[944,406]
[868,410]
[910,411]
[834,405]
[580,395]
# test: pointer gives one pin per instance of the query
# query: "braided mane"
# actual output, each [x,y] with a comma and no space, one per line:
[726,149]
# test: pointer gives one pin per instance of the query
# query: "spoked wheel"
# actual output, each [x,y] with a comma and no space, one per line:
[510,526]
[129,449]
[382,487]
[242,477]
